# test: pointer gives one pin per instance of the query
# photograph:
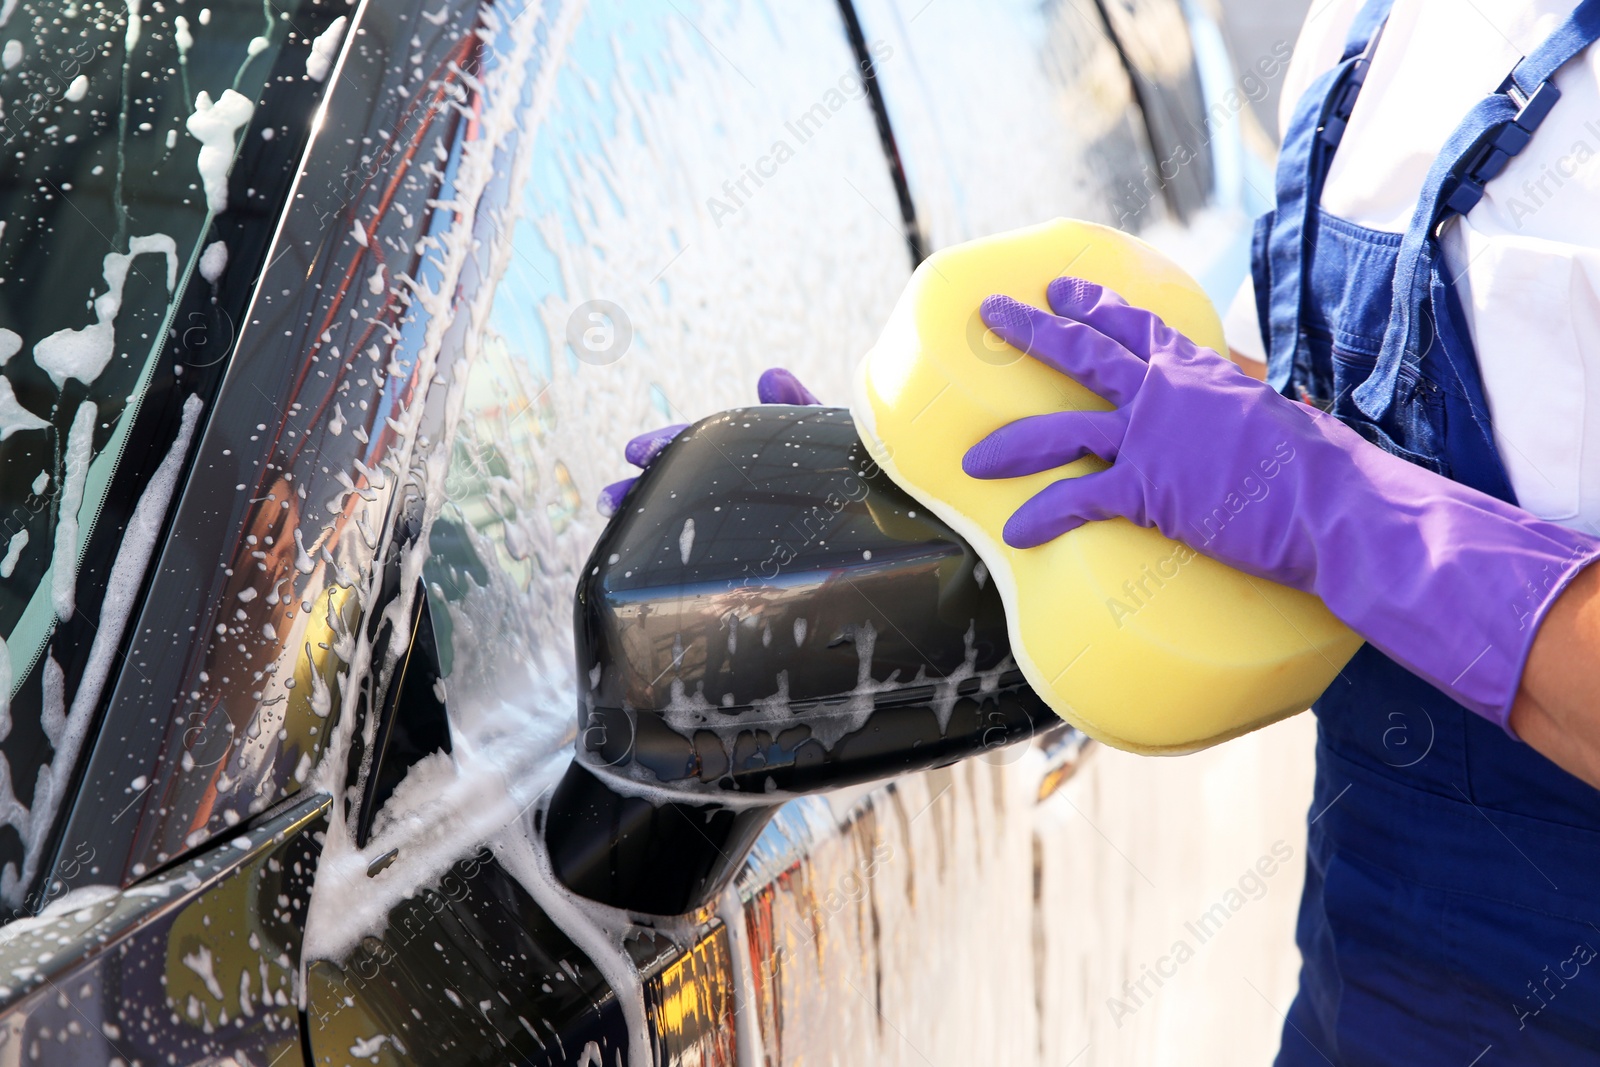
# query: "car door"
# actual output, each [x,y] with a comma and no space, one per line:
[691,194]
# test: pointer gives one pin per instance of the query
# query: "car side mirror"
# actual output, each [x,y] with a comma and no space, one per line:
[767,615]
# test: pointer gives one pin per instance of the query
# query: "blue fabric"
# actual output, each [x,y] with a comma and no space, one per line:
[1451,911]
[1313,133]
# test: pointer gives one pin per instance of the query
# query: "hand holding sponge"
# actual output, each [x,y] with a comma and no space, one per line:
[1190,649]
[1135,638]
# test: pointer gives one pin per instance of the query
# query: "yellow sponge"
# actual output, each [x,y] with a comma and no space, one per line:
[1136,640]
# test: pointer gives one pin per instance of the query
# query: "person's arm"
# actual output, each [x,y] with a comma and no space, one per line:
[1253,367]
[1450,583]
[1557,709]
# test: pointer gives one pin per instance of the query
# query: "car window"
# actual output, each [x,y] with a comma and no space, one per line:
[105,197]
[1011,112]
[120,126]
[1156,46]
[707,197]
[698,193]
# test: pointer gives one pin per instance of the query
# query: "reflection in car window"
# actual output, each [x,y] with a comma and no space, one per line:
[120,126]
[1082,143]
[652,274]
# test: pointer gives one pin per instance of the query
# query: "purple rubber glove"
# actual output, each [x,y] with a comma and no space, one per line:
[775,386]
[1447,581]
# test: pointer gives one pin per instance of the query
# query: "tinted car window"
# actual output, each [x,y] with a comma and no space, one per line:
[120,128]
[106,199]
[706,197]
[229,689]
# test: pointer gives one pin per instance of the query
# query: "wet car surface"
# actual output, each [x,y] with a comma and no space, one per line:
[290,634]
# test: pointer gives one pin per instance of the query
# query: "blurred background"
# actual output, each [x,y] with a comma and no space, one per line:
[1253,28]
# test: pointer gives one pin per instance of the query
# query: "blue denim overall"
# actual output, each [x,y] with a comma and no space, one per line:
[1451,912]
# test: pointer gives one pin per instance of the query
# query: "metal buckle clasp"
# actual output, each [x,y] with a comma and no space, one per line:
[1492,155]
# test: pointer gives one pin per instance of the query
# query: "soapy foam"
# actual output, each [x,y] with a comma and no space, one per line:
[66,728]
[13,416]
[325,49]
[216,126]
[203,967]
[64,562]
[686,541]
[83,353]
[14,547]
[213,261]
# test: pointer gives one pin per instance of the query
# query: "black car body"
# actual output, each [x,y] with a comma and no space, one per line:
[288,636]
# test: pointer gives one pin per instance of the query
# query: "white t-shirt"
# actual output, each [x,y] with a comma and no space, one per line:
[1526,259]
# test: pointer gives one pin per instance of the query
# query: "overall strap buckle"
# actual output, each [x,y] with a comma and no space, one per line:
[1481,165]
[1339,111]
[1498,127]
[1343,104]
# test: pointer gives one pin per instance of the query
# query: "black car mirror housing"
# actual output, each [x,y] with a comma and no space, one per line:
[766,615]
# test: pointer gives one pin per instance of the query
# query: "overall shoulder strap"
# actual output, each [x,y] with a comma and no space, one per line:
[1309,142]
[1497,128]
